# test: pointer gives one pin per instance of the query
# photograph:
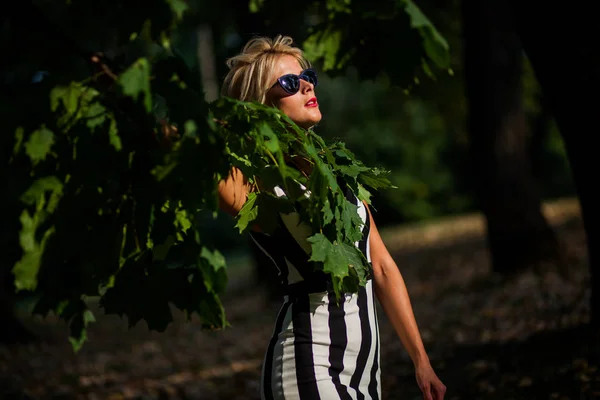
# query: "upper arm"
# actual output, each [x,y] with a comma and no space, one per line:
[233,192]
[380,256]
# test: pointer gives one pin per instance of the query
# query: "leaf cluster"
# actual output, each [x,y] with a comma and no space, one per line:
[272,151]
[110,160]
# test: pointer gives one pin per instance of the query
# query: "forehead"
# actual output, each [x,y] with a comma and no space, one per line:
[286,64]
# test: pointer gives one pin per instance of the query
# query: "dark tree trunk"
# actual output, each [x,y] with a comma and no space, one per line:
[561,43]
[540,131]
[518,234]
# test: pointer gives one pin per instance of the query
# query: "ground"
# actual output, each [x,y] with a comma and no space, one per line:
[525,338]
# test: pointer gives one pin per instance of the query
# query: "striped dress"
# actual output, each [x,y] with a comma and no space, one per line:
[319,349]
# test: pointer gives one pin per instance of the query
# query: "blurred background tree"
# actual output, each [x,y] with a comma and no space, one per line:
[440,138]
[441,133]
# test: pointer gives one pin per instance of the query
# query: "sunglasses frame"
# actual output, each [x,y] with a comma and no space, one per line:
[302,75]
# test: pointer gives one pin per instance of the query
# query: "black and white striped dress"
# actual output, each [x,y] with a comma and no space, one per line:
[319,349]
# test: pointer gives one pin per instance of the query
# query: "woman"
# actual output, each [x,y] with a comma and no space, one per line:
[320,349]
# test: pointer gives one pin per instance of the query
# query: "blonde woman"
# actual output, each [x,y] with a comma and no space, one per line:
[319,349]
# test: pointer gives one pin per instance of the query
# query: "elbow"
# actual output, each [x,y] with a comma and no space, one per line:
[386,275]
[383,270]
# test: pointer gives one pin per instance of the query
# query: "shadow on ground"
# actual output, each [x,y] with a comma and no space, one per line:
[488,339]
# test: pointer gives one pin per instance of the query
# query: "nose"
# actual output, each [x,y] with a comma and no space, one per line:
[306,87]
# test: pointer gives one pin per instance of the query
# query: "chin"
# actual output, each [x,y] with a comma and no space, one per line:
[309,124]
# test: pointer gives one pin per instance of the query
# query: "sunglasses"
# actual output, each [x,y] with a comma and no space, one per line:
[291,82]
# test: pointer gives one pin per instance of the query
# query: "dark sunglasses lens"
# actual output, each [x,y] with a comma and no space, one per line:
[290,83]
[309,76]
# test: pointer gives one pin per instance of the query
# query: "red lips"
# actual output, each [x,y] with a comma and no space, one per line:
[312,103]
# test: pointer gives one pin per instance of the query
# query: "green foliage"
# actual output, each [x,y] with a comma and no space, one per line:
[390,36]
[104,189]
[112,159]
[107,177]
[268,148]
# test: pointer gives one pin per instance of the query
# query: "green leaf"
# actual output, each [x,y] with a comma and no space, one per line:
[95,115]
[36,193]
[26,269]
[327,213]
[325,45]
[113,134]
[182,220]
[19,135]
[214,257]
[376,179]
[215,274]
[248,213]
[364,194]
[272,143]
[135,81]
[77,328]
[352,170]
[350,219]
[178,7]
[255,5]
[342,6]
[68,96]
[39,144]
[337,258]
[436,47]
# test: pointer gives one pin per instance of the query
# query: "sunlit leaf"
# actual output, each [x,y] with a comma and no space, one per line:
[135,82]
[39,144]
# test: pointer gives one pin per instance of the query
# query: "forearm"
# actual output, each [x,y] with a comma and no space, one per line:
[392,294]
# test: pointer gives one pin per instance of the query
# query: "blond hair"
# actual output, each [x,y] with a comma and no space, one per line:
[249,77]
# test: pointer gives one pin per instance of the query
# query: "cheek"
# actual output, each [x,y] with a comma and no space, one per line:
[290,105]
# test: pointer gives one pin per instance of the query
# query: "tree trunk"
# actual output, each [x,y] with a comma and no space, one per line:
[518,234]
[563,50]
[206,60]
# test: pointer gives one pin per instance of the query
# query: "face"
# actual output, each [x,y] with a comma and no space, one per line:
[302,107]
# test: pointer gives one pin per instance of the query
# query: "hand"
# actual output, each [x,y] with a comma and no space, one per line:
[429,383]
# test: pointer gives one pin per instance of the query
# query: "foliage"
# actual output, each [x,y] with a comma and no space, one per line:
[390,36]
[110,158]
[274,152]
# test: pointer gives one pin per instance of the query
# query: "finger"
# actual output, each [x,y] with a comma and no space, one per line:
[440,391]
[427,392]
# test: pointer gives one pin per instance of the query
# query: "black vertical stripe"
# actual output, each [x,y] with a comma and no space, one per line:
[373,383]
[293,251]
[365,344]
[268,378]
[268,246]
[303,354]
[338,338]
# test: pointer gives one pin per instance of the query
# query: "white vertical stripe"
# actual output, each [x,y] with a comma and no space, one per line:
[378,375]
[366,377]
[287,371]
[362,213]
[354,335]
[319,322]
[277,352]
[368,248]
